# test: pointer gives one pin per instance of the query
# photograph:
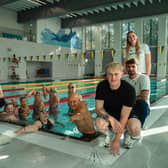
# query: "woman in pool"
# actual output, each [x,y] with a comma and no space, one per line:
[38,103]
[54,101]
[43,123]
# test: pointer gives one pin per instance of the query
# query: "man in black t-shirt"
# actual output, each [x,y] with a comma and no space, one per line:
[114,101]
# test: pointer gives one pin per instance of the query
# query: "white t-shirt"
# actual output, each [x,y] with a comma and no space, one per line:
[144,49]
[141,82]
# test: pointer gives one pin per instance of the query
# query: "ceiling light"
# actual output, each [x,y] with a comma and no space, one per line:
[38,2]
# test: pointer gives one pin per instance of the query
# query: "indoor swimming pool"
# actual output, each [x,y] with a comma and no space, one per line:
[85,87]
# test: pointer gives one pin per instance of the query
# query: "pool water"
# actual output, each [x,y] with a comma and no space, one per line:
[85,87]
[159,88]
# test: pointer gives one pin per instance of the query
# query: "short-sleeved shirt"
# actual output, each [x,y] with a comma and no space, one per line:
[114,100]
[144,49]
[140,82]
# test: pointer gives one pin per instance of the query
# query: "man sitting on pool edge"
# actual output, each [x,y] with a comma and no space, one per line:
[81,117]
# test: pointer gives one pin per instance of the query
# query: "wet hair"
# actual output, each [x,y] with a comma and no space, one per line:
[132,61]
[37,92]
[21,98]
[44,111]
[53,90]
[71,85]
[114,65]
[6,105]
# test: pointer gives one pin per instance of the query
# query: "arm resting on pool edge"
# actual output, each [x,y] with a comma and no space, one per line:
[29,128]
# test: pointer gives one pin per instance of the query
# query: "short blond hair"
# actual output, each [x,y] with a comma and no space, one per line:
[114,65]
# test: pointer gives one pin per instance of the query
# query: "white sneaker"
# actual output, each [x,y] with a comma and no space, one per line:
[109,137]
[136,137]
[128,141]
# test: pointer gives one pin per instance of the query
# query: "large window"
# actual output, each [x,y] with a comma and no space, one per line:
[90,37]
[107,36]
[126,27]
[150,37]
[167,47]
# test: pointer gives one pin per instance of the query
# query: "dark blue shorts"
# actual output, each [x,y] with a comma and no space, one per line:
[140,111]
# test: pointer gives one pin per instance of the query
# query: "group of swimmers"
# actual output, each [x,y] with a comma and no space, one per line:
[13,112]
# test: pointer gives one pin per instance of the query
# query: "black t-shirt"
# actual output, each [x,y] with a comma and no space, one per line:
[115,99]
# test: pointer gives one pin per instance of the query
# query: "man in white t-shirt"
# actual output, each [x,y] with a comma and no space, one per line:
[144,53]
[141,109]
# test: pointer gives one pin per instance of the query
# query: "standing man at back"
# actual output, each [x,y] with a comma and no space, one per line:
[141,109]
[115,99]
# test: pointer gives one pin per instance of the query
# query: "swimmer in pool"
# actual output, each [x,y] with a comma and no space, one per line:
[42,123]
[81,116]
[54,101]
[38,103]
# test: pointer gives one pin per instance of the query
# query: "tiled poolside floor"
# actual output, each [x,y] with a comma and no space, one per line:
[43,150]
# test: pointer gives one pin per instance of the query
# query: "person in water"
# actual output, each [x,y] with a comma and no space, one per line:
[42,123]
[81,116]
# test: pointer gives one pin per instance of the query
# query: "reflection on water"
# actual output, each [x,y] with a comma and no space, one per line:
[159,88]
